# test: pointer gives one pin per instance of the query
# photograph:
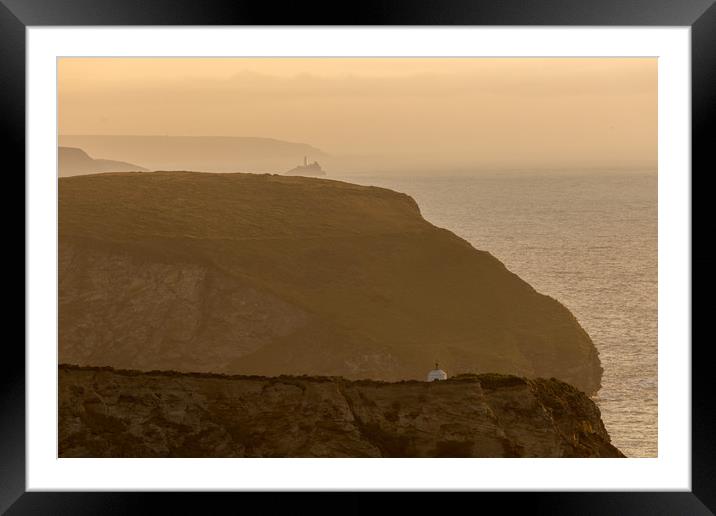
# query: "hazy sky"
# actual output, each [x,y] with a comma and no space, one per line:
[449,112]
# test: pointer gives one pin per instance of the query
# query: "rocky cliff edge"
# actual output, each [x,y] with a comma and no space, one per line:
[120,413]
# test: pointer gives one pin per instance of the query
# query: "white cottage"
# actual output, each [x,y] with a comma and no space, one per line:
[437,374]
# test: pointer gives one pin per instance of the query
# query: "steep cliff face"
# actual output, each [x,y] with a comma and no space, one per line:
[265,274]
[152,315]
[108,413]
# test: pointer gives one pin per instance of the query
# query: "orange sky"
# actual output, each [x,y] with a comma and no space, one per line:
[447,112]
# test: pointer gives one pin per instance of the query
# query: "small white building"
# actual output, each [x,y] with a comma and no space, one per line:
[437,374]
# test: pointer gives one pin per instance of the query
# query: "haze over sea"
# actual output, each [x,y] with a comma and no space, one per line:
[586,239]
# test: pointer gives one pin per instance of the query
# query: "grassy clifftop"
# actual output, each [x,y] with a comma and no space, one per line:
[266,274]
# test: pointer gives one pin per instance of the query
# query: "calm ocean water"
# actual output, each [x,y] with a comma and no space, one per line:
[589,240]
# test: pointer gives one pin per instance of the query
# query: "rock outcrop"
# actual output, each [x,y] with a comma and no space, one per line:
[112,413]
[270,275]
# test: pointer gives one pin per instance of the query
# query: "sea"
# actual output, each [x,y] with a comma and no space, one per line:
[588,239]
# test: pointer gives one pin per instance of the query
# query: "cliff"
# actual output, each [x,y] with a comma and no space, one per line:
[107,413]
[270,275]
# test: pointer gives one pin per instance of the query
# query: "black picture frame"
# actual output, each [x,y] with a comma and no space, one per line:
[700,15]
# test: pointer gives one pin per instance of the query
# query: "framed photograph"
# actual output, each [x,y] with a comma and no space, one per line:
[436,249]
